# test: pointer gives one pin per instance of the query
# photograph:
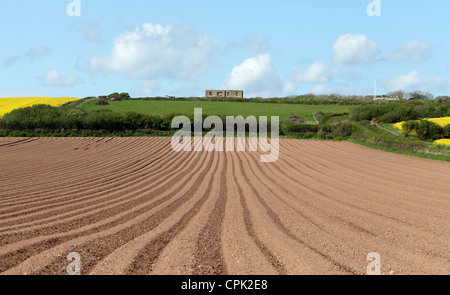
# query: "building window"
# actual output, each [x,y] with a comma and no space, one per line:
[219,93]
[210,93]
[228,94]
[237,93]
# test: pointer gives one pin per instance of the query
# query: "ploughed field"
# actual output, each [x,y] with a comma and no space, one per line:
[134,206]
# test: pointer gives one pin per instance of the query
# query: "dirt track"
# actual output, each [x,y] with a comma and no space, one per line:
[133,206]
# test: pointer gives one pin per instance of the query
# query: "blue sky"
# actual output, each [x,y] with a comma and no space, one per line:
[181,48]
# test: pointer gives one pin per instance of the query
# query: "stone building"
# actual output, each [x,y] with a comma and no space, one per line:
[225,93]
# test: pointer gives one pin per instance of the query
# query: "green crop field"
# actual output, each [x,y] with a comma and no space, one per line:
[217,108]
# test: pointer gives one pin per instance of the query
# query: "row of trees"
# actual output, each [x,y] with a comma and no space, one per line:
[395,112]
[50,119]
[47,120]
[324,98]
[416,95]
[116,95]
[341,129]
[425,129]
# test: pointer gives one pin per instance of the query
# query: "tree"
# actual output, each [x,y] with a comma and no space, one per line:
[124,95]
[114,95]
[446,131]
[399,93]
[429,130]
[443,98]
[409,126]
[421,95]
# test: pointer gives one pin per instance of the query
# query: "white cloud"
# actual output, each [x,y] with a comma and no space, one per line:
[10,60]
[352,90]
[54,78]
[36,53]
[414,51]
[256,76]
[347,73]
[342,89]
[31,55]
[321,89]
[256,43]
[289,87]
[155,51]
[146,88]
[92,31]
[415,81]
[318,72]
[351,49]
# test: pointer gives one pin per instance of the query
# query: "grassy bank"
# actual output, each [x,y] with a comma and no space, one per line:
[245,109]
[445,158]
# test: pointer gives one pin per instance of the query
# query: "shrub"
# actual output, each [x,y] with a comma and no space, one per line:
[345,129]
[446,132]
[326,129]
[409,126]
[133,121]
[114,95]
[124,95]
[428,130]
[302,128]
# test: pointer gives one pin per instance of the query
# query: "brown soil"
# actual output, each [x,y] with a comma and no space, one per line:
[133,206]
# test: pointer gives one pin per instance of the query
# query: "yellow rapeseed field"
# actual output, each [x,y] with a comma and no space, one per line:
[7,104]
[445,141]
[443,121]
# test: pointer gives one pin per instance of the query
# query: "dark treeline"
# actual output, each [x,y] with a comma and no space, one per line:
[323,130]
[45,120]
[310,98]
[394,112]
[303,99]
[425,129]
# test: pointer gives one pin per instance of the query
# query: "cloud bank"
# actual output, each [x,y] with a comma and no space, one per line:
[257,76]
[155,51]
[354,50]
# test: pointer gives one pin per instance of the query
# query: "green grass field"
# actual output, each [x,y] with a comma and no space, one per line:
[217,108]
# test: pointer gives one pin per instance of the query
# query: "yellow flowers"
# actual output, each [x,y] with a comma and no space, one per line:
[445,141]
[399,125]
[7,104]
[444,121]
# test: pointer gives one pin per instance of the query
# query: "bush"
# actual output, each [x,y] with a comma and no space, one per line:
[446,132]
[302,128]
[345,129]
[133,121]
[393,112]
[409,126]
[114,95]
[429,130]
[124,95]
[46,119]
[367,112]
[326,129]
